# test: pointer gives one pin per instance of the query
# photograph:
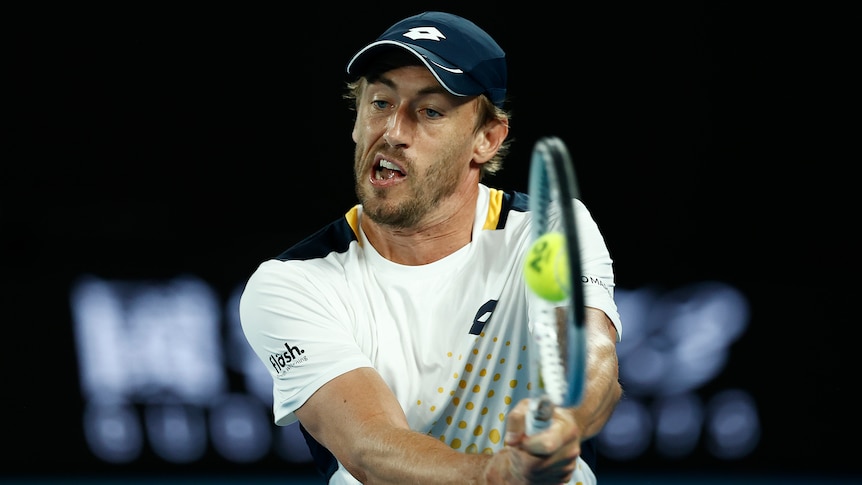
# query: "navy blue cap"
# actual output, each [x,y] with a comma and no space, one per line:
[463,57]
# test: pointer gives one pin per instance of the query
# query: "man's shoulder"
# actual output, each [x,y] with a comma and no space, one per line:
[500,204]
[333,237]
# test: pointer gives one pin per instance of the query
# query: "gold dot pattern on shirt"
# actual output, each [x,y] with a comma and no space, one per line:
[464,422]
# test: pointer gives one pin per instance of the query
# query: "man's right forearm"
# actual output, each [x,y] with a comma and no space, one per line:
[356,417]
[402,456]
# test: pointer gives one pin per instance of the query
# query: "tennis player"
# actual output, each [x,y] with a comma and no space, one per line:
[399,335]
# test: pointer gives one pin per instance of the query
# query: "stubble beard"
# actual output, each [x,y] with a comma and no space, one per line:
[425,191]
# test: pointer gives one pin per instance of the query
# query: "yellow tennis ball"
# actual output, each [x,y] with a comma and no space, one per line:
[546,268]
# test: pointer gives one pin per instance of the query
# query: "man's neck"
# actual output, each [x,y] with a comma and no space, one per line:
[445,231]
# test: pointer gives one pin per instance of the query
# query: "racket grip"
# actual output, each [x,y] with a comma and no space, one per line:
[541,412]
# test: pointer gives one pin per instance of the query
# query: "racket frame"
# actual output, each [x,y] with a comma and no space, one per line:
[552,181]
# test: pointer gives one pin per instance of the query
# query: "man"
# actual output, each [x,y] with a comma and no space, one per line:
[376,329]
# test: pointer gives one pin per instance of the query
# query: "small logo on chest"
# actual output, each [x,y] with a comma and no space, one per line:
[483,316]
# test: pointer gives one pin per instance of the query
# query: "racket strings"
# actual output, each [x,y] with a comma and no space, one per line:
[559,346]
[552,374]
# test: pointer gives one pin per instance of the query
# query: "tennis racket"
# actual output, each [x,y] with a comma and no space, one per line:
[558,330]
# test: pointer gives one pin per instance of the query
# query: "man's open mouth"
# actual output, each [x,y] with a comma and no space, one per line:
[386,170]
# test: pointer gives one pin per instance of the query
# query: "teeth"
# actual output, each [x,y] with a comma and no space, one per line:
[388,164]
[379,176]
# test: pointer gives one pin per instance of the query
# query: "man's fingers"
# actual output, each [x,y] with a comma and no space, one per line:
[516,423]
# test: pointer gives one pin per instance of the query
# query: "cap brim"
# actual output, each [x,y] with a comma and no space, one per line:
[452,78]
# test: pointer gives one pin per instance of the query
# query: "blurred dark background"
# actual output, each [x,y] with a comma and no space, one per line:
[146,143]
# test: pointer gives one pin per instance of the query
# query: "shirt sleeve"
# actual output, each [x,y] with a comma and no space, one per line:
[299,329]
[597,267]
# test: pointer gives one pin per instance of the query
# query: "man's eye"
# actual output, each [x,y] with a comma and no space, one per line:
[379,104]
[432,113]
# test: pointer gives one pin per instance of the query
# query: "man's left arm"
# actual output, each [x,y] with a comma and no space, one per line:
[603,390]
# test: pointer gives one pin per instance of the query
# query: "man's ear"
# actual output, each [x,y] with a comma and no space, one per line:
[493,134]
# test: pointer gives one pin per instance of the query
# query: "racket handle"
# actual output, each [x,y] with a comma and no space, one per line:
[541,412]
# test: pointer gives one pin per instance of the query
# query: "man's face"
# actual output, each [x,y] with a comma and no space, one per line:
[414,146]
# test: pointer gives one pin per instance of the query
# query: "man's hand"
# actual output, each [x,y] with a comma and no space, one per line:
[547,457]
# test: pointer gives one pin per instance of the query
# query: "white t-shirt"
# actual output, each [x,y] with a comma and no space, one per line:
[451,338]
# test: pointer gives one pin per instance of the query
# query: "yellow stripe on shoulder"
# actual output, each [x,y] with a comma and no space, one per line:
[352,217]
[495,205]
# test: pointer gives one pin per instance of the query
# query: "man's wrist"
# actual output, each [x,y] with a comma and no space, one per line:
[504,468]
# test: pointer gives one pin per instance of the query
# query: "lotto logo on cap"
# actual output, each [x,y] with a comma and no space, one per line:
[463,57]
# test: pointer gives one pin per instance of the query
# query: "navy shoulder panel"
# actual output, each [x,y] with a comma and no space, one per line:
[334,237]
[517,201]
[512,201]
